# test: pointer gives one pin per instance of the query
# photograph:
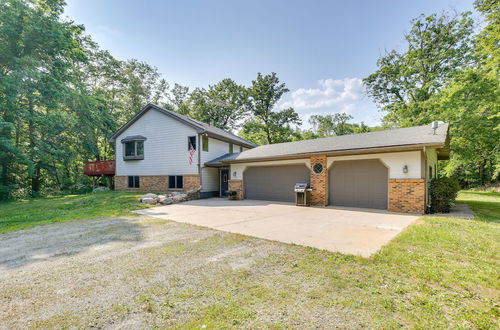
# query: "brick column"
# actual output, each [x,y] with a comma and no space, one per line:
[407,195]
[237,185]
[319,182]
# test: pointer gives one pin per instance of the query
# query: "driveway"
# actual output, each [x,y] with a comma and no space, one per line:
[350,231]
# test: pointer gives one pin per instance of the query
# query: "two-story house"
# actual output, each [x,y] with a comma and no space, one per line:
[160,150]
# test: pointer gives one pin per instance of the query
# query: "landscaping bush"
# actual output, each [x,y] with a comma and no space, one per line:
[443,192]
[100,189]
[231,194]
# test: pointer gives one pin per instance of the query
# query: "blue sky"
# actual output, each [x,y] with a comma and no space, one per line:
[320,49]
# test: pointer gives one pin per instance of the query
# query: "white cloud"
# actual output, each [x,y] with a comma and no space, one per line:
[334,96]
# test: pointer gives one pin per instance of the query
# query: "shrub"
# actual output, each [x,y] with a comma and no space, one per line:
[100,189]
[231,193]
[443,192]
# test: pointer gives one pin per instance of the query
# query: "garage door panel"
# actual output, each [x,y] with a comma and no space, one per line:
[358,183]
[274,183]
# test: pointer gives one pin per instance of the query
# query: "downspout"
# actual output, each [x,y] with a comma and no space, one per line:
[199,160]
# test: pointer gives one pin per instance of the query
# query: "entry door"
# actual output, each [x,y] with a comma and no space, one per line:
[224,185]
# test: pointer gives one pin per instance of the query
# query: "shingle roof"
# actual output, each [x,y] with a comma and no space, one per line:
[198,125]
[218,161]
[401,137]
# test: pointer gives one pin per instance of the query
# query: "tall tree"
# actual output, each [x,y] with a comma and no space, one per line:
[334,124]
[269,125]
[224,105]
[438,46]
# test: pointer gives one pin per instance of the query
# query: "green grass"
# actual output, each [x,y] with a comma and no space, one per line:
[28,213]
[438,273]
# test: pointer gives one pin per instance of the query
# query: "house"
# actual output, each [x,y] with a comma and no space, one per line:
[388,170]
[160,150]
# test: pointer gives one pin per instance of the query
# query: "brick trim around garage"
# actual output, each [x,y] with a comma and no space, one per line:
[319,182]
[236,185]
[407,195]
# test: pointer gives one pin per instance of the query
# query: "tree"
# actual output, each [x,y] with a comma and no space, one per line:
[267,124]
[335,124]
[437,48]
[224,105]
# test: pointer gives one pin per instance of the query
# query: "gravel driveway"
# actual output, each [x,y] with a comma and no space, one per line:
[140,272]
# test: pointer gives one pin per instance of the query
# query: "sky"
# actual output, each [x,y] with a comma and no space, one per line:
[320,49]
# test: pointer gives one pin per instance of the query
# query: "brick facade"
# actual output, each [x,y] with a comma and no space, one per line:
[157,183]
[319,182]
[407,195]
[237,185]
[192,182]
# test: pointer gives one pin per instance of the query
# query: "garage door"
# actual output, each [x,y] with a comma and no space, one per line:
[274,183]
[358,183]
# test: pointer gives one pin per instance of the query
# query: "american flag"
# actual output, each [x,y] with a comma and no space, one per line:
[191,153]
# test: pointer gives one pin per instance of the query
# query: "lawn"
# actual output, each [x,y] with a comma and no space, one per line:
[438,273]
[40,211]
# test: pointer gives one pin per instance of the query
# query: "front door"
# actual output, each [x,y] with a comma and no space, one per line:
[224,185]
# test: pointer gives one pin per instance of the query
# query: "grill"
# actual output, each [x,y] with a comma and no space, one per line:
[302,194]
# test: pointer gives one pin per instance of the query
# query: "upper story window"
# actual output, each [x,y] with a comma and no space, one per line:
[133,147]
[204,143]
[191,142]
[230,148]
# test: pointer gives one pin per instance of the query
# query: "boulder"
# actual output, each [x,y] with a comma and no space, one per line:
[179,198]
[150,195]
[150,201]
[166,201]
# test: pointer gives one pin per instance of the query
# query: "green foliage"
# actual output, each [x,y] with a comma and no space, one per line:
[437,47]
[223,105]
[269,125]
[443,192]
[447,73]
[28,213]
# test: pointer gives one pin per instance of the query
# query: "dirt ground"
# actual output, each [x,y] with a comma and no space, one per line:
[140,272]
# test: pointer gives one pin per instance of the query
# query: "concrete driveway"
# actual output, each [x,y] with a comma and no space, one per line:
[351,231]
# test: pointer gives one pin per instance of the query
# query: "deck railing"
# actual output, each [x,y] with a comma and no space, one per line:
[102,167]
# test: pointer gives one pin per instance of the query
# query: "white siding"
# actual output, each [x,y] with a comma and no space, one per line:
[210,179]
[394,161]
[165,150]
[216,148]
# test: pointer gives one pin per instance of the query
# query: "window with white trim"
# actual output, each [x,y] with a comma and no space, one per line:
[133,150]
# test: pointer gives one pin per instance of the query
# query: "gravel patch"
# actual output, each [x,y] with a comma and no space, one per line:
[140,272]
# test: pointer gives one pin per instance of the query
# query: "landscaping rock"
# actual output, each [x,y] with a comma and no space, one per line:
[179,198]
[150,201]
[167,201]
[150,195]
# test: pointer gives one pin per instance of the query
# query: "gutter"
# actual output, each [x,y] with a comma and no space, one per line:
[412,147]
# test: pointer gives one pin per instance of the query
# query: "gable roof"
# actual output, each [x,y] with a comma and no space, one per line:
[201,128]
[392,139]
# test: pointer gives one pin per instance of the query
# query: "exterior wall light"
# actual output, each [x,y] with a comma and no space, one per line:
[234,174]
[405,169]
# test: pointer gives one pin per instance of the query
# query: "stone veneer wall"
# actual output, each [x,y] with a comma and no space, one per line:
[319,182]
[237,185]
[407,195]
[157,182]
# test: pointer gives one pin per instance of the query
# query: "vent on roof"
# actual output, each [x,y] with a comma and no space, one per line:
[435,125]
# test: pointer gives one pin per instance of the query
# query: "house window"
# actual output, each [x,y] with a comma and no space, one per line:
[430,172]
[133,150]
[175,182]
[191,142]
[205,143]
[133,182]
[230,148]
